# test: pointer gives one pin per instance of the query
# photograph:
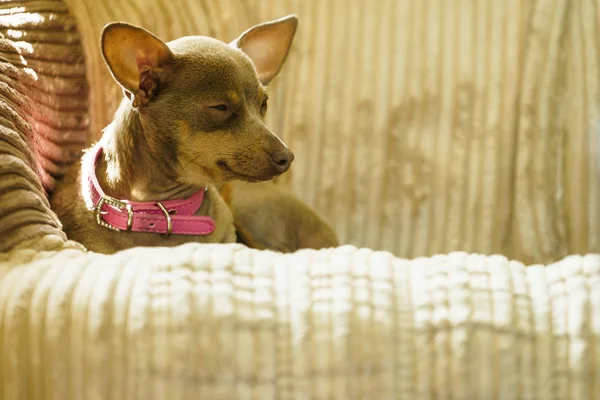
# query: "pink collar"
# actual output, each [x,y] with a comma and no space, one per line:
[166,217]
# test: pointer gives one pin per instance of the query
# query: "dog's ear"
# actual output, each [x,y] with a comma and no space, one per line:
[135,58]
[267,45]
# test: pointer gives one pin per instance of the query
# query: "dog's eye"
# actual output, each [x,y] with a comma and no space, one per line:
[263,106]
[220,107]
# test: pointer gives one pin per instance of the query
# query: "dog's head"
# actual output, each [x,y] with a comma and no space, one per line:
[203,101]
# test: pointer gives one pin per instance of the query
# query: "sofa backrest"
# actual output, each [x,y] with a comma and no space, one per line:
[418,127]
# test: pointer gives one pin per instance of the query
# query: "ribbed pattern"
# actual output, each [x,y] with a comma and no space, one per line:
[43,114]
[223,322]
[419,127]
[581,114]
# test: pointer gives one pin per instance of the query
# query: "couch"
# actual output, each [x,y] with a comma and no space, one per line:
[451,144]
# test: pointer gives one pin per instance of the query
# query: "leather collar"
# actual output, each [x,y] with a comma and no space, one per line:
[163,217]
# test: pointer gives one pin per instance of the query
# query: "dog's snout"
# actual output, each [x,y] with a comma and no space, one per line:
[282,160]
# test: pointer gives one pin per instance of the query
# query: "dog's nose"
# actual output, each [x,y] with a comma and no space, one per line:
[282,160]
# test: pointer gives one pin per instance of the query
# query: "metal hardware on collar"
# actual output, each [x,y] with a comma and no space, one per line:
[118,204]
[167,216]
[109,210]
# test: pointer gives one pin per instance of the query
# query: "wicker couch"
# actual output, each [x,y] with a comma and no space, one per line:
[428,133]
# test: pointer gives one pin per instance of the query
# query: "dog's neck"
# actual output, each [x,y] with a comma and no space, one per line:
[136,165]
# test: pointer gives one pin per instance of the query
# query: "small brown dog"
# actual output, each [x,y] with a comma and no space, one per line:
[191,119]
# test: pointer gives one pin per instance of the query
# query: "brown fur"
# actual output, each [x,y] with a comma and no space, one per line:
[192,116]
[267,217]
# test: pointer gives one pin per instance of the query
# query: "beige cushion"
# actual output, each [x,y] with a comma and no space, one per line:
[226,322]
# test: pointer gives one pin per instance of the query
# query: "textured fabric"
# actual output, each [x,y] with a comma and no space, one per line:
[43,116]
[224,322]
[418,127]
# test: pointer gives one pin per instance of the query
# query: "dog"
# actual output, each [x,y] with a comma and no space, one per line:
[191,120]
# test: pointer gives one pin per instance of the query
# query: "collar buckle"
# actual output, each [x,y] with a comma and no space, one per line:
[119,205]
